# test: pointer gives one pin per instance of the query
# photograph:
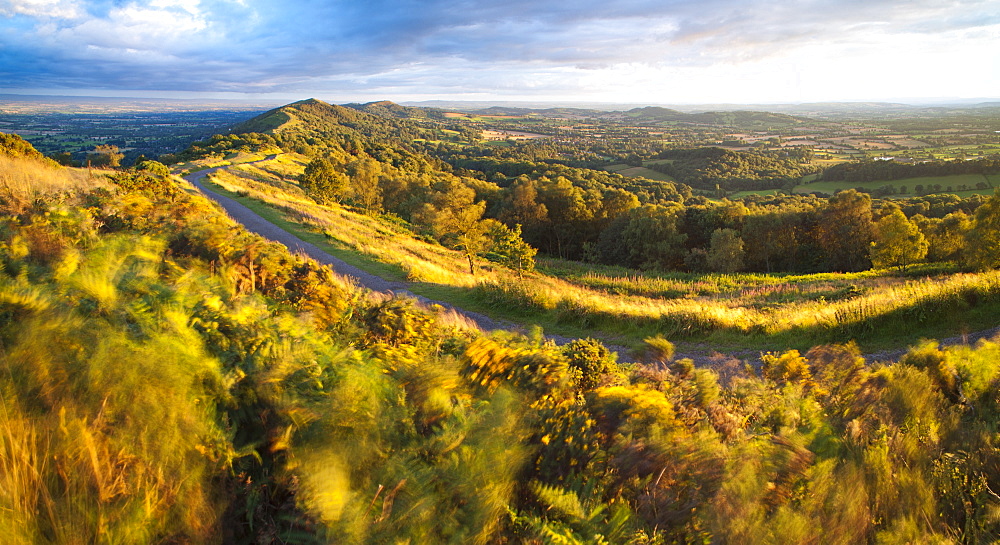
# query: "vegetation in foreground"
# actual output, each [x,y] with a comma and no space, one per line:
[170,378]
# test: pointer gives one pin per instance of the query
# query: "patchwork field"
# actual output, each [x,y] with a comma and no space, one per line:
[511,135]
[627,170]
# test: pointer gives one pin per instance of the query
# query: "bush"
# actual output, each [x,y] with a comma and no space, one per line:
[595,364]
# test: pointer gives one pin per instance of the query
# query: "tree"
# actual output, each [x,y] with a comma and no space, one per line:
[650,235]
[472,241]
[508,248]
[767,237]
[106,155]
[845,231]
[64,158]
[946,236]
[569,208]
[983,240]
[898,242]
[454,218]
[726,252]
[364,174]
[323,182]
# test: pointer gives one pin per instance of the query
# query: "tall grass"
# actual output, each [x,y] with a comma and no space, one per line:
[22,180]
[105,426]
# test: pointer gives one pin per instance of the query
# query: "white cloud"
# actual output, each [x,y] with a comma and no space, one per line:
[134,27]
[190,6]
[633,50]
[59,9]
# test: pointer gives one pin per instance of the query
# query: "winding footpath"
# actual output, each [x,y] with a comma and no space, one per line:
[702,357]
[256,224]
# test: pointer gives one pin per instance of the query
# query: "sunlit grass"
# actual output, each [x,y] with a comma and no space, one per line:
[23,180]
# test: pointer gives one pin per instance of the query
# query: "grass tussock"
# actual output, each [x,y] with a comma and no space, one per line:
[23,180]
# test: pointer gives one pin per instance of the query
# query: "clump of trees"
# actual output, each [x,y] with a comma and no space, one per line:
[708,168]
[105,156]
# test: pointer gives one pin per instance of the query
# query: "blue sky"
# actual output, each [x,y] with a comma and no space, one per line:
[646,51]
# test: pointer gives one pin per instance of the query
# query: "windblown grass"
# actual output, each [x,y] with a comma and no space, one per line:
[103,432]
[23,180]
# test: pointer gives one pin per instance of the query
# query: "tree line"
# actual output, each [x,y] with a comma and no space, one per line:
[873,171]
[592,215]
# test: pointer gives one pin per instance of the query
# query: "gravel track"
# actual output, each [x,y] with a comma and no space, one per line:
[703,356]
[256,224]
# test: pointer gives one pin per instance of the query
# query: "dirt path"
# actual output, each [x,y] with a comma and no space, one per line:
[703,356]
[256,224]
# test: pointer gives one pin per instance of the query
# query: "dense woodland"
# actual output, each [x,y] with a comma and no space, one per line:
[709,168]
[170,378]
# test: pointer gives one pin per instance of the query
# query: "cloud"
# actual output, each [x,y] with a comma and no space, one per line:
[60,9]
[470,46]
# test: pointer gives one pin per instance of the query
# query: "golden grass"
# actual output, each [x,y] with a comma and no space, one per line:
[23,180]
[420,261]
[212,161]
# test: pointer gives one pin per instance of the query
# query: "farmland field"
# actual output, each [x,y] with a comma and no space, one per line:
[949,184]
[626,170]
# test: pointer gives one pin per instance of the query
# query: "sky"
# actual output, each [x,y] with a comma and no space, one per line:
[625,51]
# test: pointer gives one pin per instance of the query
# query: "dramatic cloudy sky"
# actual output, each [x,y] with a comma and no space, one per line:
[655,51]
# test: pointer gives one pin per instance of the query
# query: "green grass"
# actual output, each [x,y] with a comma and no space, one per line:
[955,181]
[879,309]
[627,170]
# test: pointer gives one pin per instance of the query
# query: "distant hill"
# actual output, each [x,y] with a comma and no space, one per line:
[657,113]
[738,118]
[312,118]
[561,113]
[387,108]
[506,110]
